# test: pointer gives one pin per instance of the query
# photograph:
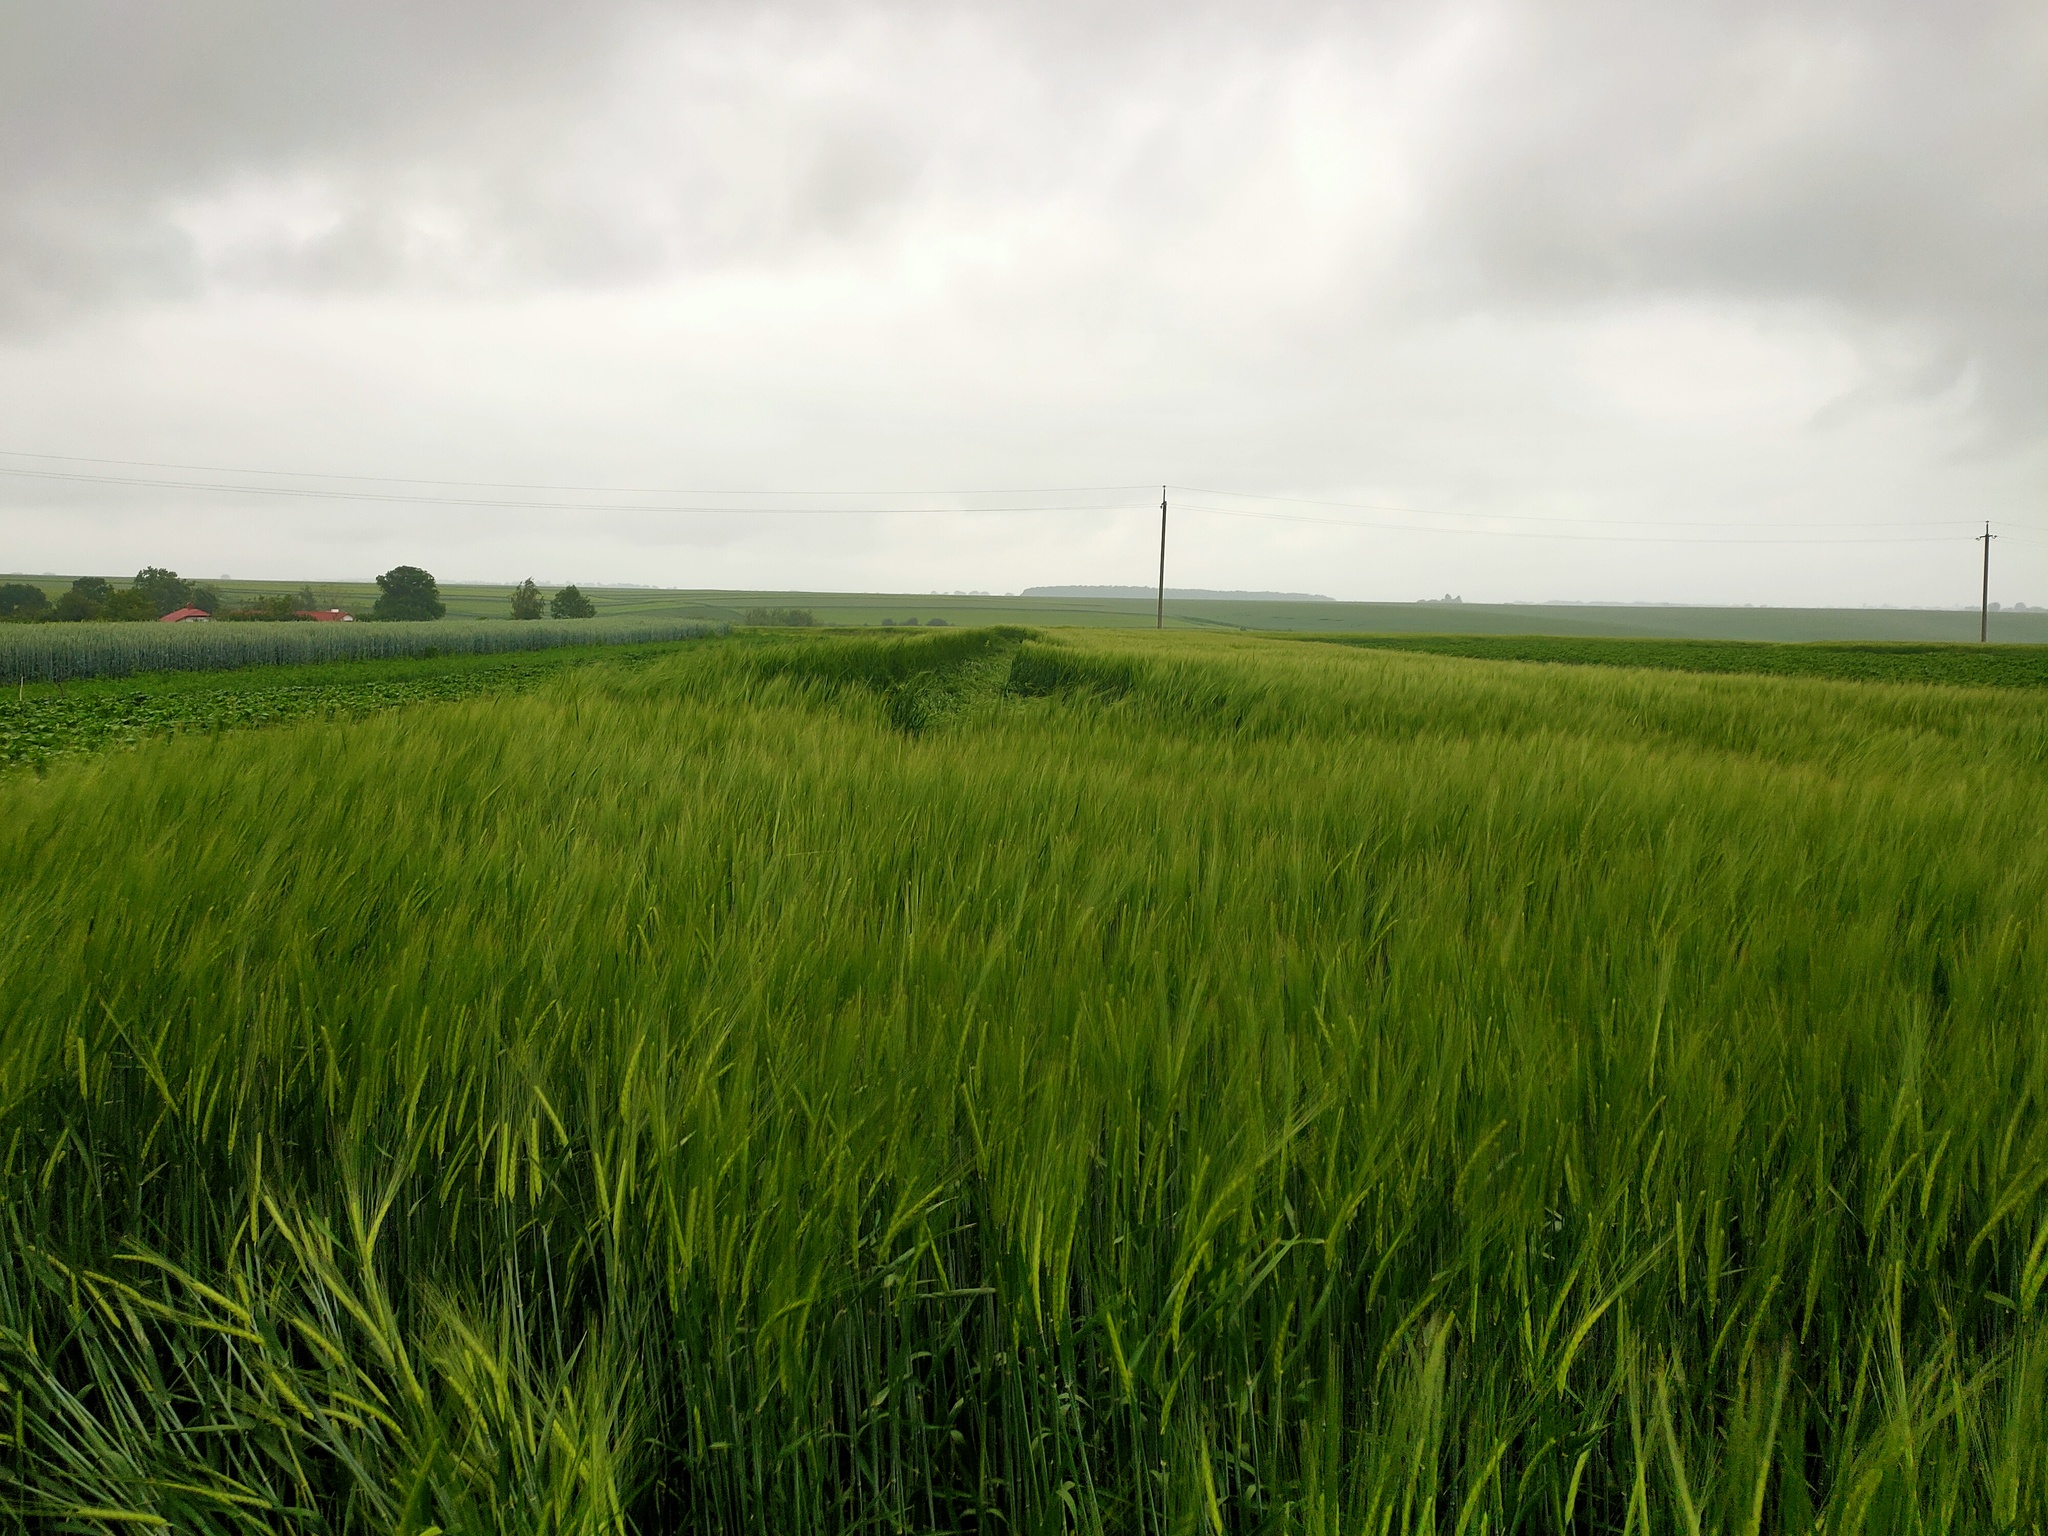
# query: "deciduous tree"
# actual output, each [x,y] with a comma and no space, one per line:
[407,592]
[19,600]
[166,590]
[131,605]
[571,604]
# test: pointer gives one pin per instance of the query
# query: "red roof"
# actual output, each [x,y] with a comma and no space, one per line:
[327,615]
[185,615]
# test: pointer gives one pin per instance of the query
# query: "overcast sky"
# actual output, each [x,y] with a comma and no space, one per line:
[1582,300]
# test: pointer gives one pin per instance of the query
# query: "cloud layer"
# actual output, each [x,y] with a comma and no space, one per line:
[1560,280]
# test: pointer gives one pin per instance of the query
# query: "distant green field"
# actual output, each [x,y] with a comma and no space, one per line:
[1983,666]
[871,608]
[1007,1081]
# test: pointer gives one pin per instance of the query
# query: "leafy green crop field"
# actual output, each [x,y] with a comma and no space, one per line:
[48,721]
[990,1081]
[1983,666]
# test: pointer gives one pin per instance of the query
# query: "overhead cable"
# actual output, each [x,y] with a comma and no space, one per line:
[1518,533]
[520,485]
[330,493]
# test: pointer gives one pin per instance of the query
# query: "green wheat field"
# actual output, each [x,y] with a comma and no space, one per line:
[1033,1081]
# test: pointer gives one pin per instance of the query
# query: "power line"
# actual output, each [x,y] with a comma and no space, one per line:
[1524,517]
[327,493]
[517,485]
[1516,533]
[337,493]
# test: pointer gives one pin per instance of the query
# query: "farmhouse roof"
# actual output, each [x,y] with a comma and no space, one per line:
[327,615]
[186,615]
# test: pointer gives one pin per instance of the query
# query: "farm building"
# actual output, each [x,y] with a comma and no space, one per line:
[327,615]
[187,616]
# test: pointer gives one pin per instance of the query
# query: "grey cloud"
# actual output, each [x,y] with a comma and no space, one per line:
[603,142]
[114,112]
[1888,159]
[1362,247]
[1883,156]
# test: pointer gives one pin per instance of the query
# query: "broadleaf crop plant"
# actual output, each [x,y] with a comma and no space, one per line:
[98,714]
[991,1081]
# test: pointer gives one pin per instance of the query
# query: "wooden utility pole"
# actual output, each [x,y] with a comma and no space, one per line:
[1161,621]
[1984,613]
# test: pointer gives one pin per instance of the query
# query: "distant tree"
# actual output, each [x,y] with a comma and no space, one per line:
[407,592]
[205,597]
[935,623]
[571,604]
[312,599]
[167,591]
[83,601]
[527,602]
[279,608]
[131,605]
[799,617]
[19,600]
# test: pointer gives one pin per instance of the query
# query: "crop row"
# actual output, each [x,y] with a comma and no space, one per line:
[55,653]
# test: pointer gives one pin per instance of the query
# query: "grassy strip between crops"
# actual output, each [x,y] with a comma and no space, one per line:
[995,1082]
[48,721]
[53,653]
[1984,666]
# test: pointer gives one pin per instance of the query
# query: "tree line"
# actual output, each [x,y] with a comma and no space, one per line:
[569,603]
[404,593]
[154,593]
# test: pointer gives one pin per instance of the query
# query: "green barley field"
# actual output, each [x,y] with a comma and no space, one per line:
[1009,1081]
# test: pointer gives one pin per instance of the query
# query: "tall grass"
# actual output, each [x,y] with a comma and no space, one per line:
[978,1082]
[51,653]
